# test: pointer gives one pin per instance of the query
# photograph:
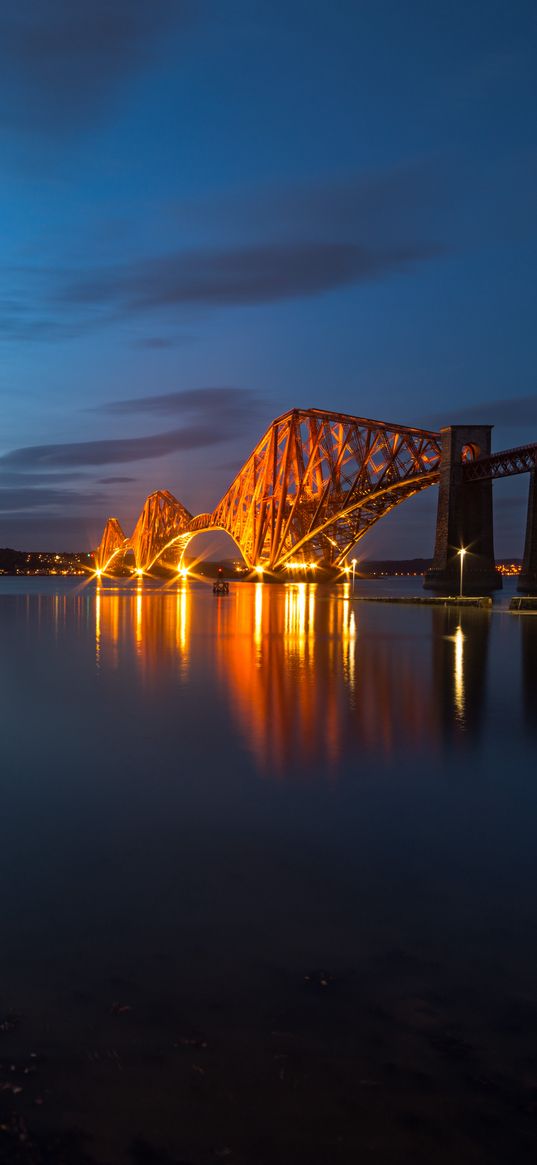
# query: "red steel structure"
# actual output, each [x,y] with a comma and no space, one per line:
[313,486]
[162,519]
[505,464]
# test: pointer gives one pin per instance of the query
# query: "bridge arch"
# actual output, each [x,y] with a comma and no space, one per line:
[356,521]
[209,528]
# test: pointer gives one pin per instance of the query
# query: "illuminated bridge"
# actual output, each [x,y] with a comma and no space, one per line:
[318,481]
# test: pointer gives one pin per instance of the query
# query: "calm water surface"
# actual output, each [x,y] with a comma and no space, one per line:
[268,876]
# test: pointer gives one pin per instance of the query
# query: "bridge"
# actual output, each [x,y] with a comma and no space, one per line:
[317,482]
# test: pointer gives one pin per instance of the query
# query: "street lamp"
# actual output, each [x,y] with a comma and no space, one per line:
[354,561]
[461,554]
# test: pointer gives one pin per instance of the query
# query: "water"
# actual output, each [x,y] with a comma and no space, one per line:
[268,875]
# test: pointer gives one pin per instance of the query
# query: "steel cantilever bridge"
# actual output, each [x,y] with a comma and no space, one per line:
[312,487]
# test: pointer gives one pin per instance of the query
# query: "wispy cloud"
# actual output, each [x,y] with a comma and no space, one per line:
[17,478]
[241,276]
[61,61]
[275,245]
[223,403]
[14,499]
[115,451]
[383,208]
[509,412]
[214,416]
[118,480]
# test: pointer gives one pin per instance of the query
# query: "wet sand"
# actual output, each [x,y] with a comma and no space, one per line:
[389,1060]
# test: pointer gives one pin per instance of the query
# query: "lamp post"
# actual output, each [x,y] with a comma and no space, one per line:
[461,553]
[354,561]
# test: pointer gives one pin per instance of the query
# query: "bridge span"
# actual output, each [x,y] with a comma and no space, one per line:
[317,482]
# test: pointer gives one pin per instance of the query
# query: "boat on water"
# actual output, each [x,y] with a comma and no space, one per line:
[221,587]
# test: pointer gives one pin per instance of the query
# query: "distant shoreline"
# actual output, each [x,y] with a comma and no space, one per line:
[17,563]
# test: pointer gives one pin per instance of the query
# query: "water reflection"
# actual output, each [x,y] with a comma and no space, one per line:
[152,625]
[308,687]
[460,658]
[309,679]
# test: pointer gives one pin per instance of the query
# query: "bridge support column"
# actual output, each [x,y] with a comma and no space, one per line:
[528,576]
[464,517]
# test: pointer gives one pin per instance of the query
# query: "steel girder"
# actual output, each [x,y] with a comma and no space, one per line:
[511,461]
[312,487]
[113,544]
[162,523]
[317,481]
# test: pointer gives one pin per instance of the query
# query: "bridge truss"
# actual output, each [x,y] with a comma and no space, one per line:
[504,464]
[317,481]
[313,486]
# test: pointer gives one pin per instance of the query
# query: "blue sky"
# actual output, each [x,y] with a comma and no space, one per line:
[215,212]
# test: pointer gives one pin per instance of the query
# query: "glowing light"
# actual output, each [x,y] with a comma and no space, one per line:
[459,672]
[348,639]
[259,569]
[98,627]
[138,629]
[258,619]
[98,572]
[183,612]
[182,571]
[139,571]
[461,554]
[295,617]
[353,564]
[302,565]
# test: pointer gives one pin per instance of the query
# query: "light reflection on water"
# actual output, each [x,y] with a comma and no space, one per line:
[310,678]
[206,799]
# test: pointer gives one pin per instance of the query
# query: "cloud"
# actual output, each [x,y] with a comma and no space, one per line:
[510,413]
[115,451]
[382,206]
[116,480]
[14,499]
[19,479]
[205,278]
[62,60]
[15,328]
[270,246]
[240,276]
[216,416]
[221,402]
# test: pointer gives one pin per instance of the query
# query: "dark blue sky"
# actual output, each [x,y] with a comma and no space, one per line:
[215,212]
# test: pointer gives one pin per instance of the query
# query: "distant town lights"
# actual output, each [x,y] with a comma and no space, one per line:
[302,565]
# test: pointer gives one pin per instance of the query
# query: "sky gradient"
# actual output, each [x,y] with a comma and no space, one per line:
[213,213]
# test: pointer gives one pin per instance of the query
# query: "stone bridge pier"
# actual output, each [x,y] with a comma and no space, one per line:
[465,517]
[528,576]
